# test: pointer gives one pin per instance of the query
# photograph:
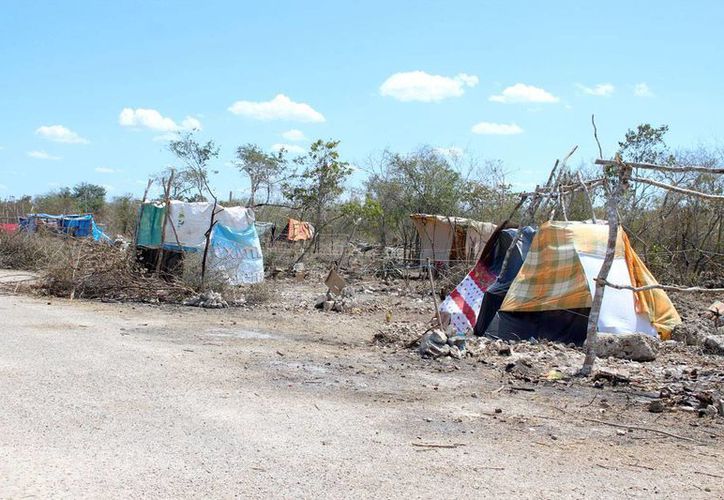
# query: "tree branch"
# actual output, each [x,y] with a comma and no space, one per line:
[663,168]
[668,288]
[689,192]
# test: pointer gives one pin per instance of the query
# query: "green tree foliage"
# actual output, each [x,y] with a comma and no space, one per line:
[82,198]
[90,198]
[321,182]
[121,213]
[645,145]
[262,168]
[194,157]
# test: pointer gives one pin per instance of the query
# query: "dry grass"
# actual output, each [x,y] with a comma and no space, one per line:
[261,293]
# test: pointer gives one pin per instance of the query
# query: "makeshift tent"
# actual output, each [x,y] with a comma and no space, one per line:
[182,227]
[296,230]
[445,238]
[78,225]
[462,308]
[551,294]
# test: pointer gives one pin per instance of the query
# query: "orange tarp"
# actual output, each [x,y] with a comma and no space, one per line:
[299,230]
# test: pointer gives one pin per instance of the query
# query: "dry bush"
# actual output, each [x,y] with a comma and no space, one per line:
[25,251]
[84,268]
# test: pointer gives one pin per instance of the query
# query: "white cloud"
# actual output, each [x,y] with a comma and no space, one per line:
[105,170]
[152,119]
[170,136]
[279,108]
[642,90]
[42,155]
[601,89]
[451,152]
[59,133]
[489,128]
[520,92]
[294,135]
[424,87]
[291,148]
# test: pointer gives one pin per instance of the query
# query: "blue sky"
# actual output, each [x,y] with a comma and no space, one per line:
[88,90]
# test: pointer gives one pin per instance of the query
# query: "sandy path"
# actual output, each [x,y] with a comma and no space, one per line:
[108,400]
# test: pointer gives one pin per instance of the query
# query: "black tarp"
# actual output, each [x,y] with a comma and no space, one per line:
[495,294]
[567,326]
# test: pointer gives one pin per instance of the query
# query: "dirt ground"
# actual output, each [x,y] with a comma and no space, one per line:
[282,400]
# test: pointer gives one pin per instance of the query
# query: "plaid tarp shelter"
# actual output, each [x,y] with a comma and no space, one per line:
[551,295]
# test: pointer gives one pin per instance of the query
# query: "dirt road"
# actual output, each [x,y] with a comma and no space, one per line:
[111,400]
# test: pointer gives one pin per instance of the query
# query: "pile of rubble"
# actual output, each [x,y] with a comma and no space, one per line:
[207,300]
[436,344]
[343,303]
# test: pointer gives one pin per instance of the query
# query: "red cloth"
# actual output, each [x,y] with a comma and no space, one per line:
[8,228]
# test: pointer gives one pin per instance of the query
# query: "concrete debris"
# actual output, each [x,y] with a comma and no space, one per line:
[438,336]
[633,346]
[714,344]
[208,300]
[434,344]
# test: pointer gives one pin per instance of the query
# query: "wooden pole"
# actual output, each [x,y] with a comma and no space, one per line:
[166,216]
[140,213]
[615,193]
[434,296]
[206,246]
[588,197]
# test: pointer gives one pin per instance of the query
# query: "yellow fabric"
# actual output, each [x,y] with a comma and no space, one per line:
[592,239]
[552,276]
[655,303]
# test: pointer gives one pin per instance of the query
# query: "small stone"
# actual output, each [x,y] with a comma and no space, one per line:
[632,346]
[656,406]
[327,305]
[455,352]
[503,348]
[714,344]
[711,411]
[438,336]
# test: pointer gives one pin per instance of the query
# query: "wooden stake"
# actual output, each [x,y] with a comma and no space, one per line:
[614,195]
[166,215]
[434,296]
[588,197]
[140,213]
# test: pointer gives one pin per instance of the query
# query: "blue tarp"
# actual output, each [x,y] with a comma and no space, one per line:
[80,226]
[237,254]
